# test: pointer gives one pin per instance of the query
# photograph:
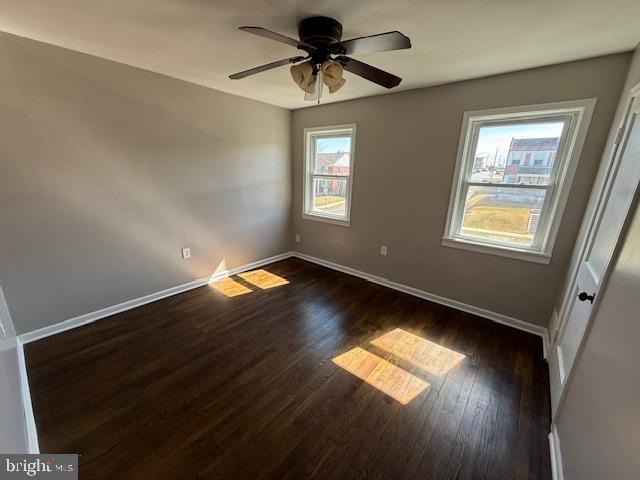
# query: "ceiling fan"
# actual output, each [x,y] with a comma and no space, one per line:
[326,56]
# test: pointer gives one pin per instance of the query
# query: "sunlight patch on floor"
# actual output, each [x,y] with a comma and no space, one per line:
[381,374]
[230,287]
[428,356]
[263,279]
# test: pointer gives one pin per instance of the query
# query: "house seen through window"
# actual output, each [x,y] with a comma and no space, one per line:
[328,173]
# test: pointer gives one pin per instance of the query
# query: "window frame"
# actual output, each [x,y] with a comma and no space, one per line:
[310,134]
[578,115]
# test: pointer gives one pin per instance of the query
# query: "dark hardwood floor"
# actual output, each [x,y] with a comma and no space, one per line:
[202,385]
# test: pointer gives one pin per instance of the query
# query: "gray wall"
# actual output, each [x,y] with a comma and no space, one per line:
[405,154]
[108,170]
[599,422]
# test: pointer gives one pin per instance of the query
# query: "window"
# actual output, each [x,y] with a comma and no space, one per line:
[538,158]
[328,173]
[513,208]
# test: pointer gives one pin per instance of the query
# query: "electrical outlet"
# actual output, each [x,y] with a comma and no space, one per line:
[383,250]
[297,237]
[186,253]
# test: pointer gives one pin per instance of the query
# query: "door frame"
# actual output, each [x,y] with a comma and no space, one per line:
[604,191]
[6,324]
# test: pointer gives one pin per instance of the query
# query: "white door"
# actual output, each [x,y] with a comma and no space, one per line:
[618,196]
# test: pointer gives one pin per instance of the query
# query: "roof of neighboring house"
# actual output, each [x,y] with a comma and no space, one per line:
[339,159]
[343,161]
[535,144]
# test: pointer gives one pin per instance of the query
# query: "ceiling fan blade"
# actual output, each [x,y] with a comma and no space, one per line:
[262,68]
[368,72]
[373,43]
[263,32]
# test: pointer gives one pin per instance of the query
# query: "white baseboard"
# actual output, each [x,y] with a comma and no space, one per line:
[481,312]
[25,393]
[137,302]
[90,317]
[556,457]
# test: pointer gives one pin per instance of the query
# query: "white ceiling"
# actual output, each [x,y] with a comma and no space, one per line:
[198,40]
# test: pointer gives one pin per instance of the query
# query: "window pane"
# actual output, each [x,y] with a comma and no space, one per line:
[329,196]
[516,153]
[503,214]
[332,155]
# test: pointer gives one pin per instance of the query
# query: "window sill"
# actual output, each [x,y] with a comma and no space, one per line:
[326,219]
[501,251]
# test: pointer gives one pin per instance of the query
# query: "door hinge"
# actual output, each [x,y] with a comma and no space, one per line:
[619,135]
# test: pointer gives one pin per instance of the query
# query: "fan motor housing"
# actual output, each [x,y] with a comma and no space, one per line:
[320,31]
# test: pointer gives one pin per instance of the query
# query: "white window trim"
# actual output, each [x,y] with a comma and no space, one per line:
[307,179]
[579,112]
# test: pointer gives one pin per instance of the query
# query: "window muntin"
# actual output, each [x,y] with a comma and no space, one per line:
[329,154]
[511,177]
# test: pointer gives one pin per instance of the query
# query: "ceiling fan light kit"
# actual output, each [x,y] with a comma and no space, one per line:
[332,75]
[326,56]
[302,74]
[329,74]
[316,92]
[338,86]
